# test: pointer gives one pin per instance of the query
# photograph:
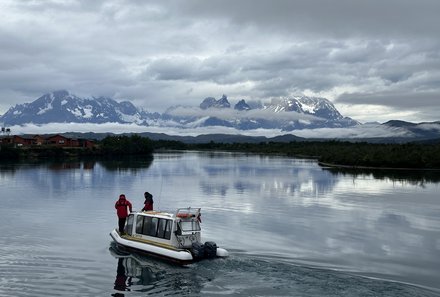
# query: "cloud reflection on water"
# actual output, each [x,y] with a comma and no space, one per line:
[368,223]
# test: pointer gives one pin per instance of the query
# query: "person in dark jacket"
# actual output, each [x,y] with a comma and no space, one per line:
[121,209]
[148,204]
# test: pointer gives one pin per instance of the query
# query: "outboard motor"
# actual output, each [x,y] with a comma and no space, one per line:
[210,249]
[197,250]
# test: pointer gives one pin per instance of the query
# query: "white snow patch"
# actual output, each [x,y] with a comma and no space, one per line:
[130,118]
[308,108]
[43,110]
[17,112]
[88,112]
[64,102]
[76,112]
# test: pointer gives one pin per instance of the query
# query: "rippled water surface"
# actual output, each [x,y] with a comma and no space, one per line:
[292,228]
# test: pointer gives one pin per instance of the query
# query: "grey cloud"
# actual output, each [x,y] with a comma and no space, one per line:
[286,65]
[190,69]
[365,131]
[355,132]
[343,18]
[162,53]
[394,99]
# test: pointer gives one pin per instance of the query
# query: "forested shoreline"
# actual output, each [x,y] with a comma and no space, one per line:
[415,156]
[330,153]
[334,153]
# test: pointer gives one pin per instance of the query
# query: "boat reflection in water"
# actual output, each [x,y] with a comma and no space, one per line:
[132,270]
[143,273]
[121,281]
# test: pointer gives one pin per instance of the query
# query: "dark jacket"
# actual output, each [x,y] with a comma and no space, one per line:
[148,204]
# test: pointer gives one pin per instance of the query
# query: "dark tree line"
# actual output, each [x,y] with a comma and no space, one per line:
[360,154]
[8,153]
[410,155]
[126,145]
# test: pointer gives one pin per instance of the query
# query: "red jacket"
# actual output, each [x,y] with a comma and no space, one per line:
[148,205]
[121,207]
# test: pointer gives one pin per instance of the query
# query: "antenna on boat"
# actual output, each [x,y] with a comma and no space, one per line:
[160,193]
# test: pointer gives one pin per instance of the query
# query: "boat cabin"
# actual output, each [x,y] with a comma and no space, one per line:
[179,230]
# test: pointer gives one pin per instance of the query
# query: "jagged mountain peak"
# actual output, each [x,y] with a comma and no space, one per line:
[211,102]
[223,102]
[242,105]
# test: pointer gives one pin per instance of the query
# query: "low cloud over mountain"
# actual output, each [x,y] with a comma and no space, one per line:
[306,117]
[286,114]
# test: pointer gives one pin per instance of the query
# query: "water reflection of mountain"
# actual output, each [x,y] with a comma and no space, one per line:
[415,177]
[255,177]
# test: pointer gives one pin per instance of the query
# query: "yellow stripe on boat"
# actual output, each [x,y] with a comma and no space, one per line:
[159,244]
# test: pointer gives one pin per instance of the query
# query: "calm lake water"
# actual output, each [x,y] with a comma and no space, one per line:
[292,228]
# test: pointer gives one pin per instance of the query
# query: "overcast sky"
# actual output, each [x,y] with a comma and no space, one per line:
[376,60]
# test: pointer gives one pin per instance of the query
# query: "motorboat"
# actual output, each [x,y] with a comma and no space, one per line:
[173,236]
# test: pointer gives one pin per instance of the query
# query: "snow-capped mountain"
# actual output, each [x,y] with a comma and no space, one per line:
[322,111]
[287,114]
[319,107]
[61,106]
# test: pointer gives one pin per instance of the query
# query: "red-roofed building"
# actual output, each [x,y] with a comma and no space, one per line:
[55,140]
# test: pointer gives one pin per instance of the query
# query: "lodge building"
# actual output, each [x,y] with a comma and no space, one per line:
[38,140]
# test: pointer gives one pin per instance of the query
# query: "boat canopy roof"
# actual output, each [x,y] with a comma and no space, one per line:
[181,213]
[187,213]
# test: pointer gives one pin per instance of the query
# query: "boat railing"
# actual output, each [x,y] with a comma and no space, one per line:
[188,213]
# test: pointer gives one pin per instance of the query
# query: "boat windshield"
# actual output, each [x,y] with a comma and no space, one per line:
[190,226]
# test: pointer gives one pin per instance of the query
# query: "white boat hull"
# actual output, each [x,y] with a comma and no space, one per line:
[181,256]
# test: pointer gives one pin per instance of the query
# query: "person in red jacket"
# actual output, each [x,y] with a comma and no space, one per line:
[148,204]
[121,209]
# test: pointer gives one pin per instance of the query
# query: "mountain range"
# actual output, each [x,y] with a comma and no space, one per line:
[286,114]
